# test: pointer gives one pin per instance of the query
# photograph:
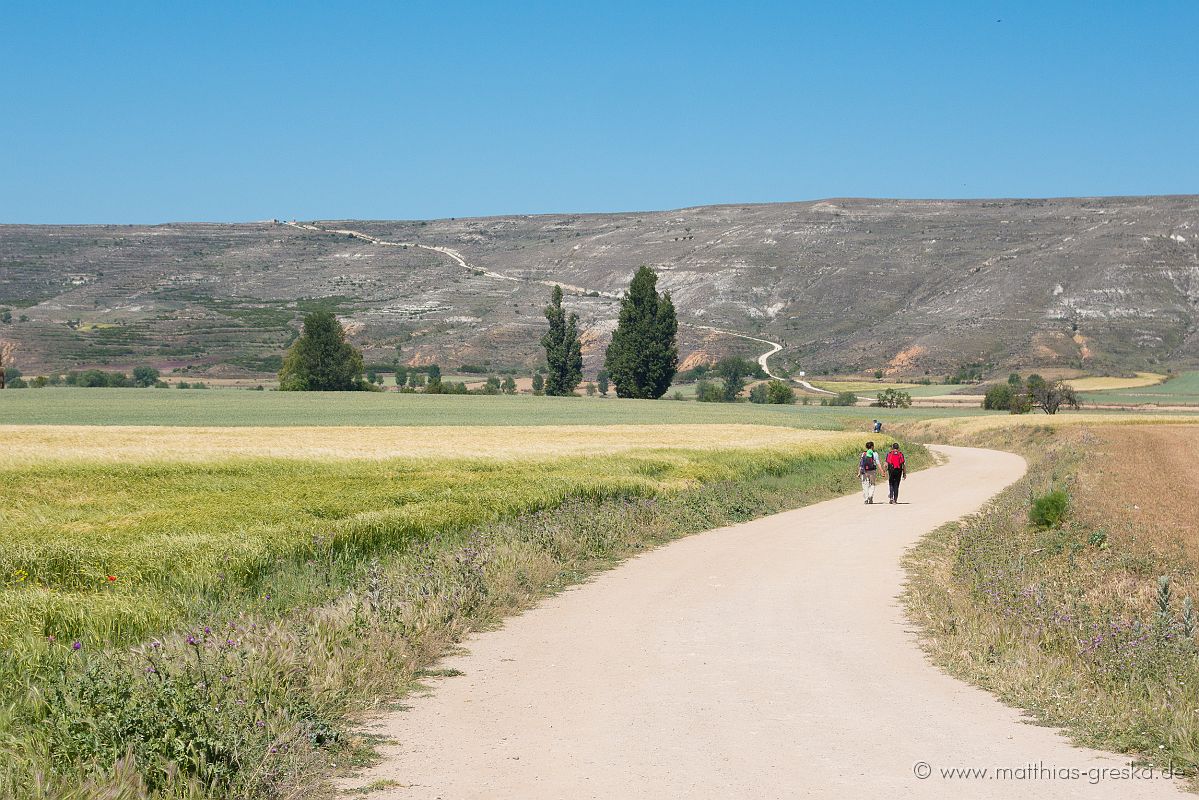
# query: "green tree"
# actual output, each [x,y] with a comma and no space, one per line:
[509,385]
[401,375]
[998,397]
[601,381]
[563,353]
[1050,397]
[644,354]
[732,372]
[708,392]
[779,393]
[759,393]
[321,360]
[434,373]
[538,383]
[144,376]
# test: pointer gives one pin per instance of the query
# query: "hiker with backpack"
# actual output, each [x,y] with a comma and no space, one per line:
[897,470]
[868,468]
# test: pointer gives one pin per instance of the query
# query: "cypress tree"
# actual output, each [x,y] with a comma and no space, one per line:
[644,355]
[321,360]
[563,353]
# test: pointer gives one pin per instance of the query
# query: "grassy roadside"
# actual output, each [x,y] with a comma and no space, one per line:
[252,698]
[1069,621]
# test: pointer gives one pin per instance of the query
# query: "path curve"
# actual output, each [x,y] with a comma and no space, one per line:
[457,258]
[763,660]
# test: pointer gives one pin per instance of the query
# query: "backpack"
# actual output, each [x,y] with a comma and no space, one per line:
[895,459]
[867,462]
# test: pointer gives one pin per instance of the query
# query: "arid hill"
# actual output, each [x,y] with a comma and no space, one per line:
[906,286]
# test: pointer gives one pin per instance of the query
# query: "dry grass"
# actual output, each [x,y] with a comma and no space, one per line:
[125,444]
[1065,622]
[1138,486]
[1102,384]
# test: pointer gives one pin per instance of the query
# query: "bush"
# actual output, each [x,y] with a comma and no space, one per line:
[841,399]
[1049,510]
[779,393]
[998,397]
[893,398]
[708,392]
[144,377]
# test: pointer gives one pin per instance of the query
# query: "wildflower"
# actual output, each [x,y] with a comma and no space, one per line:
[51,638]
[156,644]
[261,724]
[274,749]
[207,630]
[112,578]
[191,640]
[76,645]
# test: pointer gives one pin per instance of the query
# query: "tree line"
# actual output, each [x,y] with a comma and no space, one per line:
[640,362]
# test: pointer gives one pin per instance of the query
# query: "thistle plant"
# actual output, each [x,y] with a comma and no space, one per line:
[1188,618]
[1164,618]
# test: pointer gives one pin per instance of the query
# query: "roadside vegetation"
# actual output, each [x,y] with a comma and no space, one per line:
[1073,595]
[203,628]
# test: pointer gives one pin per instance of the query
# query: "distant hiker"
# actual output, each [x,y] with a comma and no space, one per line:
[878,426]
[868,467]
[897,470]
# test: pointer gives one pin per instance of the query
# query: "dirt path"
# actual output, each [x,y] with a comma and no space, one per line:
[763,660]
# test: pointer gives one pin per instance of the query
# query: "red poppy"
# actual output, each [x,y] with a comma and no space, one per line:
[112,578]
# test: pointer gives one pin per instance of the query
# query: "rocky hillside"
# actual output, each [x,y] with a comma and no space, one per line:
[846,285]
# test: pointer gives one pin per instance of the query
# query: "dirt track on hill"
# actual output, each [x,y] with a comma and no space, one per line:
[764,660]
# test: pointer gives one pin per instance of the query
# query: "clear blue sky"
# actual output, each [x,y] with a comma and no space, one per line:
[128,112]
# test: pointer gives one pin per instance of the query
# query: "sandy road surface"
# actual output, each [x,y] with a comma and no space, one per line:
[762,660]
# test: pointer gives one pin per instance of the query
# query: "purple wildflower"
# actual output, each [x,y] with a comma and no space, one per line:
[76,645]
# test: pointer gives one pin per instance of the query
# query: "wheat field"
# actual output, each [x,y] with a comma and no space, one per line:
[105,444]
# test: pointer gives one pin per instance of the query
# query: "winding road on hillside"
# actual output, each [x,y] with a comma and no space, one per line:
[768,659]
[457,258]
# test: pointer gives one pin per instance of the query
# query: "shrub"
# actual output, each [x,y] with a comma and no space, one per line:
[144,377]
[893,398]
[758,394]
[998,397]
[779,393]
[840,399]
[708,392]
[1049,510]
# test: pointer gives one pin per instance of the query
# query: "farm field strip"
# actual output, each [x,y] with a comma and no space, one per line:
[93,444]
[238,408]
[1104,383]
[117,540]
